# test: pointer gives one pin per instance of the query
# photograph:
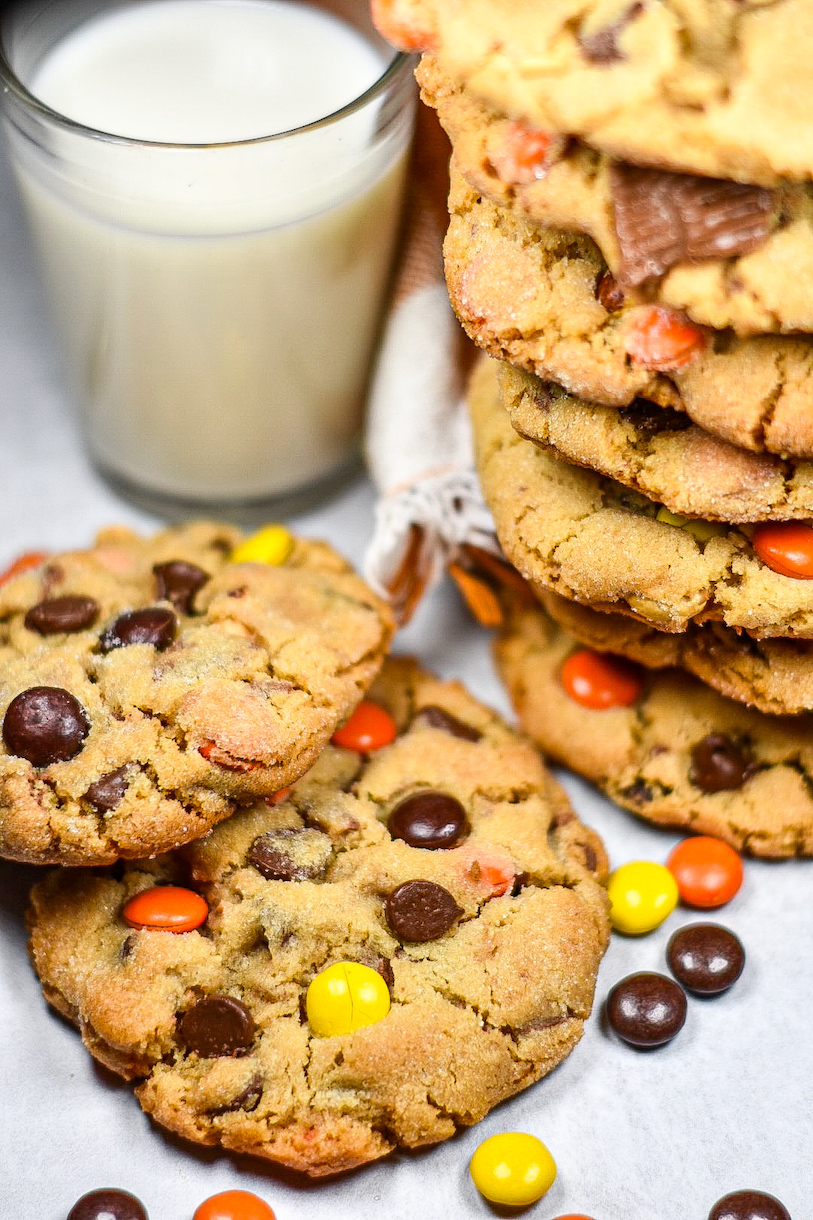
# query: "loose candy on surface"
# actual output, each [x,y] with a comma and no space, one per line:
[166,908]
[705,958]
[786,547]
[272,544]
[345,997]
[513,1169]
[600,680]
[234,1205]
[369,728]
[708,871]
[108,1204]
[642,894]
[749,1205]
[646,1009]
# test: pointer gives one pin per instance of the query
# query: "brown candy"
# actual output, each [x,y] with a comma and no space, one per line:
[601,46]
[662,219]
[45,724]
[705,957]
[718,765]
[178,582]
[60,615]
[107,793]
[156,626]
[216,1026]
[291,854]
[749,1205]
[107,1204]
[418,911]
[429,819]
[646,1009]
[439,718]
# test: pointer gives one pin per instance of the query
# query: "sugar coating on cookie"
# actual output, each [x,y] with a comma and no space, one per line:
[489,947]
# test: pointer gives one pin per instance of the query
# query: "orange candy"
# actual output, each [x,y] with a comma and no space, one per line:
[786,547]
[708,872]
[166,908]
[523,154]
[278,797]
[234,1205]
[573,1216]
[600,680]
[662,339]
[369,728]
[494,872]
[397,21]
[31,559]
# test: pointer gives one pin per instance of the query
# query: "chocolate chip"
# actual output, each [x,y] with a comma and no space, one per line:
[128,946]
[108,792]
[429,819]
[156,625]
[247,1099]
[749,1205]
[178,582]
[637,791]
[439,718]
[384,967]
[108,1204]
[646,1009]
[609,293]
[291,854]
[589,854]
[418,911]
[718,765]
[217,1025]
[60,615]
[520,881]
[705,957]
[648,419]
[662,219]
[601,47]
[45,724]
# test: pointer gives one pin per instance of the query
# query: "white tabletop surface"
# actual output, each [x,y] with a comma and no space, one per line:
[636,1136]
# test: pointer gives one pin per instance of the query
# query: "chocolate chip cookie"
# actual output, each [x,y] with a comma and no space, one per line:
[146,685]
[678,755]
[488,942]
[595,541]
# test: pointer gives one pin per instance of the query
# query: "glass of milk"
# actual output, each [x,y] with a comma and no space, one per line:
[214,190]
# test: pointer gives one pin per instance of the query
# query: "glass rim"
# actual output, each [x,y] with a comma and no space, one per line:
[12,84]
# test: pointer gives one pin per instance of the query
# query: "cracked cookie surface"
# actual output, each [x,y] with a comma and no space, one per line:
[184,683]
[477,1012]
[652,757]
[532,296]
[592,540]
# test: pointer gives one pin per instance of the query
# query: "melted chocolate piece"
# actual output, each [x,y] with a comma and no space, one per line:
[156,626]
[718,765]
[60,615]
[609,293]
[662,219]
[248,1099]
[291,854]
[216,1026]
[108,1204]
[178,582]
[749,1205]
[107,793]
[646,1009]
[601,47]
[45,724]
[418,911]
[648,419]
[706,958]
[439,718]
[429,819]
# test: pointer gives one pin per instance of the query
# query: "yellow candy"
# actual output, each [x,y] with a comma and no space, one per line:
[641,895]
[701,530]
[344,997]
[513,1169]
[273,545]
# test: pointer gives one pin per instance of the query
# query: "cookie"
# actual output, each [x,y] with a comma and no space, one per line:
[146,685]
[594,541]
[488,945]
[774,676]
[658,452]
[679,755]
[714,87]
[728,254]
[543,300]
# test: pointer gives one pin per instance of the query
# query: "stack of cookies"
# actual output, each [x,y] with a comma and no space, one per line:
[631,239]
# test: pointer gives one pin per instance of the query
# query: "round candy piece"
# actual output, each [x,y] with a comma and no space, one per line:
[217,1026]
[705,957]
[108,1204]
[344,997]
[418,911]
[166,908]
[25,563]
[271,545]
[749,1205]
[786,547]
[369,728]
[573,1216]
[62,614]
[45,724]
[708,872]
[662,339]
[600,680]
[234,1205]
[642,894]
[429,819]
[718,764]
[513,1169]
[178,582]
[156,625]
[646,1009]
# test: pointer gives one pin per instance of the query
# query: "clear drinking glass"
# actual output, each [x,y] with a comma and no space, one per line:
[218,304]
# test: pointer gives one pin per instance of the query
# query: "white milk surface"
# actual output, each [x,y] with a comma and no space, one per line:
[218,306]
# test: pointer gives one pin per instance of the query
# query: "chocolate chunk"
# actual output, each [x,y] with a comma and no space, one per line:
[648,419]
[429,819]
[383,966]
[718,765]
[609,293]
[646,1009]
[589,854]
[705,957]
[62,614]
[247,1099]
[156,625]
[217,1025]
[439,718]
[108,792]
[601,47]
[45,724]
[108,1204]
[637,791]
[662,219]
[520,882]
[291,854]
[418,911]
[749,1205]
[178,582]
